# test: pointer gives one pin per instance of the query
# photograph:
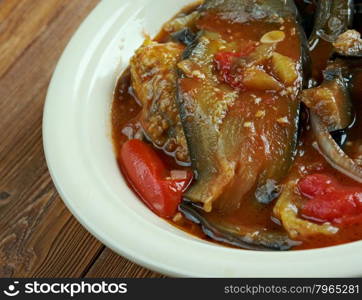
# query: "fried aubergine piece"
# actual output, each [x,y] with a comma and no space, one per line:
[241,128]
[331,100]
[153,71]
[238,99]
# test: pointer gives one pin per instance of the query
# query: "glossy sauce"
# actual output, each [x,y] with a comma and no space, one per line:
[126,109]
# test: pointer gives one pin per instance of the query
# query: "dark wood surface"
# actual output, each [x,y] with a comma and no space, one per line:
[38,235]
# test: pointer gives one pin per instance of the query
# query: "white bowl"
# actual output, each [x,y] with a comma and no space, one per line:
[81,160]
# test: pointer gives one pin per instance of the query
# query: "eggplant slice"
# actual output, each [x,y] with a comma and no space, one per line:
[153,70]
[241,135]
[333,17]
[330,148]
[225,129]
[244,237]
[331,100]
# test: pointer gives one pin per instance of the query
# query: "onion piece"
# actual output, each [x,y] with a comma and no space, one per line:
[333,154]
[286,211]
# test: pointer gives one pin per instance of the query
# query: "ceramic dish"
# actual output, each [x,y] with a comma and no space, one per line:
[81,160]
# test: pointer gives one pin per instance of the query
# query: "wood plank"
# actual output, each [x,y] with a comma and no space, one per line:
[109,264]
[22,21]
[38,236]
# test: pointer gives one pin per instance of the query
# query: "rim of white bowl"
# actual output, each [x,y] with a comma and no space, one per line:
[132,230]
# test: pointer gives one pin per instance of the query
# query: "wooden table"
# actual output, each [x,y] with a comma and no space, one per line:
[38,235]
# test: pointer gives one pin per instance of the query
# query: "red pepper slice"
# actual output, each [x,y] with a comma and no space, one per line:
[330,201]
[227,65]
[151,179]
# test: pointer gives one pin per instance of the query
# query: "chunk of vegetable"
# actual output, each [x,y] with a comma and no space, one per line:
[331,104]
[287,211]
[331,151]
[330,201]
[274,36]
[258,79]
[229,67]
[151,179]
[224,64]
[260,55]
[349,43]
[153,70]
[285,68]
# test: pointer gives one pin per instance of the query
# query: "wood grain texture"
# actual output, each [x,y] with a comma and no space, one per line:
[22,21]
[113,265]
[38,235]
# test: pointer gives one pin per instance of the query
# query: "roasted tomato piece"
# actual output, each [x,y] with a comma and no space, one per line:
[229,67]
[159,188]
[330,201]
